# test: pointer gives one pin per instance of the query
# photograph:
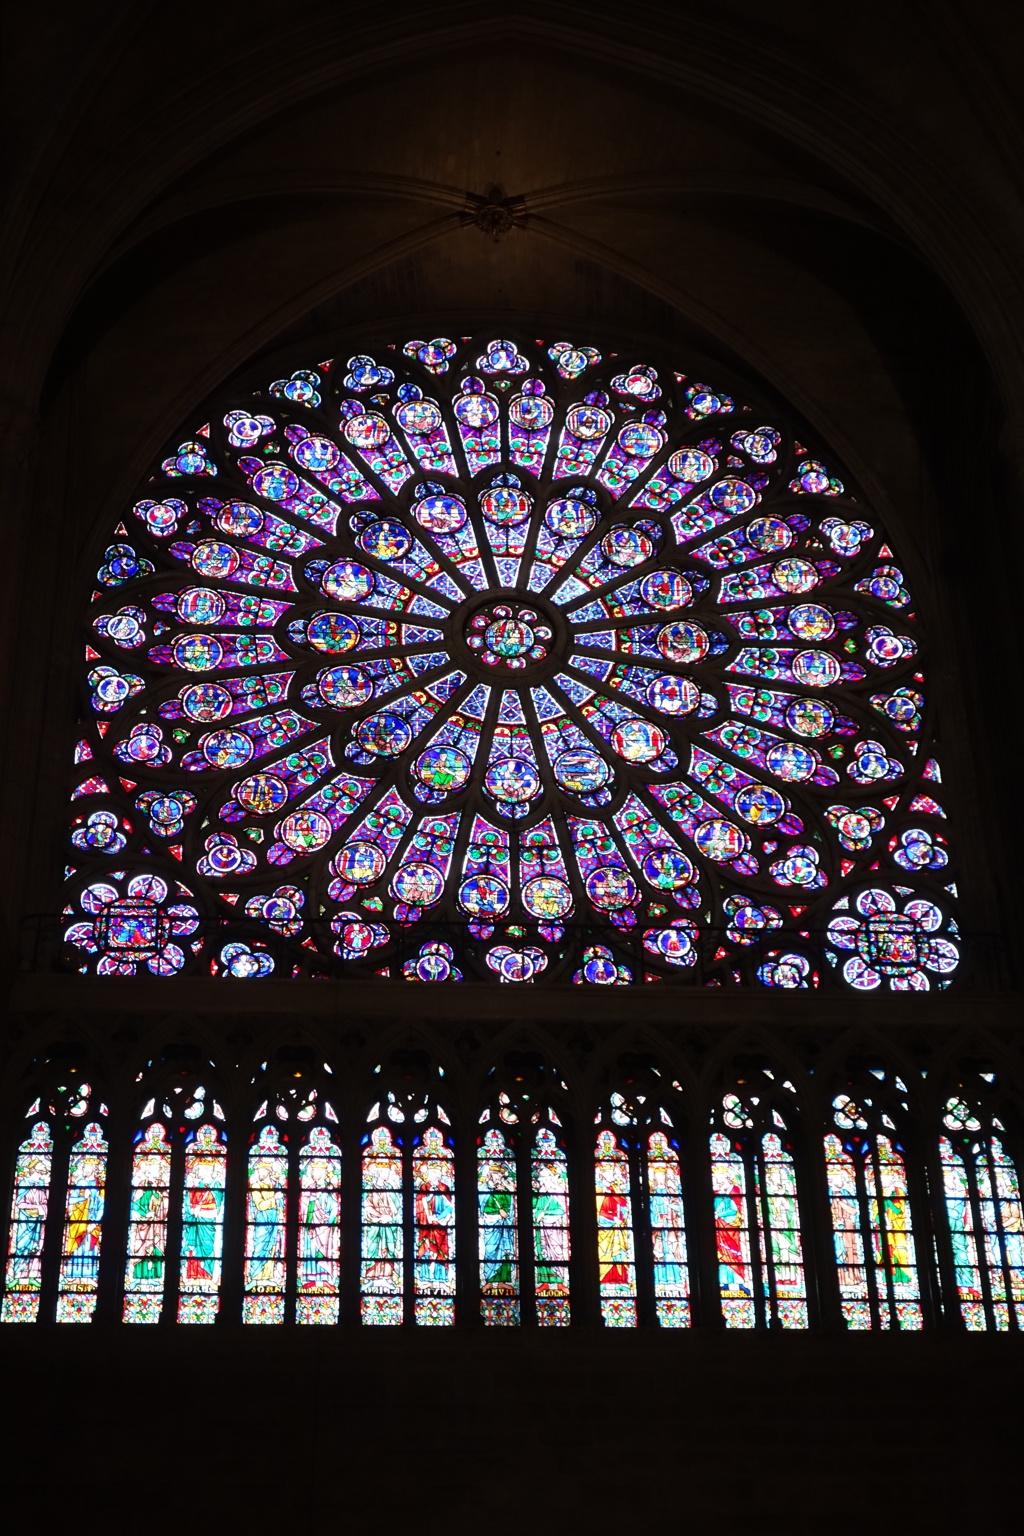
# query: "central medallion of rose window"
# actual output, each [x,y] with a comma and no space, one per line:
[508,635]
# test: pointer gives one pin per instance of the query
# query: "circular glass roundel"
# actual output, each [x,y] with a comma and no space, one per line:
[206,701]
[511,635]
[562,665]
[361,863]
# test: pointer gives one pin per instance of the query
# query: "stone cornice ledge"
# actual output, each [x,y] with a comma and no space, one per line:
[388,1000]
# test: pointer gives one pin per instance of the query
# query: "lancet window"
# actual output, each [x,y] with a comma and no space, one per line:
[175,1257]
[983,1208]
[758,1233]
[293,1205]
[407,1269]
[523,1211]
[57,1208]
[869,1198]
[190,1233]
[643,1268]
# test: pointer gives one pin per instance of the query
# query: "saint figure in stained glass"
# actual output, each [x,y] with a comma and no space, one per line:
[146,1274]
[29,1209]
[643,1269]
[408,1208]
[761,1273]
[983,1209]
[870,1203]
[523,1197]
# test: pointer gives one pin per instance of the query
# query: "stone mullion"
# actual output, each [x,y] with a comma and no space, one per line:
[586,1295]
[350,1224]
[953,1317]
[643,1247]
[926,1228]
[232,1285]
[816,1236]
[64,1137]
[464,1230]
[526,1234]
[116,1220]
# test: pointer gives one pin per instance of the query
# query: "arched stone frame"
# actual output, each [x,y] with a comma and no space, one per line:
[876,1178]
[182,1154]
[294,1209]
[762,1177]
[525,1173]
[645,1175]
[824,144]
[56,1220]
[974,1169]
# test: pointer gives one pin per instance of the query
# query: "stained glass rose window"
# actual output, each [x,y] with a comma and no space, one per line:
[505,659]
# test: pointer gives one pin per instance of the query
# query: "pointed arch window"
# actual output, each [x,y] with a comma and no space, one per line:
[761,1272]
[146,1274]
[983,1206]
[408,1210]
[872,1225]
[175,1251]
[523,1205]
[293,1211]
[202,1225]
[78,1282]
[318,1280]
[57,1209]
[643,1270]
[29,1209]
[265,1237]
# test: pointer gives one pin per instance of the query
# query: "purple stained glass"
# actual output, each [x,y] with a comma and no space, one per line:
[388,597]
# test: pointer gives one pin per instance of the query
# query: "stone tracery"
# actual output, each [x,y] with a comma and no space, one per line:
[519,645]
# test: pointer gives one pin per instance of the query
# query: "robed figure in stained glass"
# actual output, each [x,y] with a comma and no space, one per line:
[31,1198]
[614,1234]
[733,1240]
[434,1213]
[199,1233]
[382,1214]
[202,1211]
[498,1235]
[319,1239]
[85,1199]
[148,1233]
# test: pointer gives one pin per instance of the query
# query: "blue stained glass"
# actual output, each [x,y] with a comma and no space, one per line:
[636,444]
[586,426]
[484,891]
[499,640]
[423,425]
[530,415]
[546,892]
[372,438]
[478,417]
[280,485]
[512,780]
[445,519]
[499,1236]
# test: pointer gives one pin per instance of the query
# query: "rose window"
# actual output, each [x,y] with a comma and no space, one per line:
[507,660]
